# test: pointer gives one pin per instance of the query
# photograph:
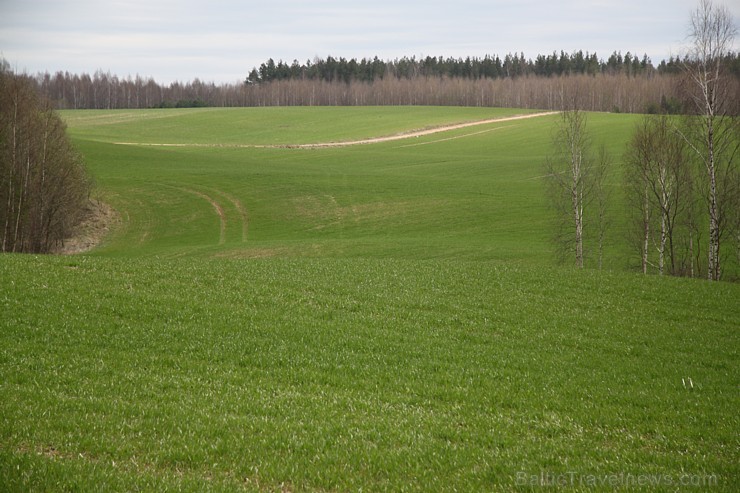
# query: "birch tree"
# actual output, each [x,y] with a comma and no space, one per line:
[659,186]
[575,180]
[713,133]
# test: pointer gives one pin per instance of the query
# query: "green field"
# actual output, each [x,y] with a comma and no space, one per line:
[380,317]
[474,193]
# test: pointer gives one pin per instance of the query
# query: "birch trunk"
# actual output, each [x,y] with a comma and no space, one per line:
[646,231]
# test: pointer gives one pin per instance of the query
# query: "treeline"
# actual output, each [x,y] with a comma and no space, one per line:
[617,93]
[489,67]
[620,93]
[676,65]
[617,84]
[104,90]
[44,186]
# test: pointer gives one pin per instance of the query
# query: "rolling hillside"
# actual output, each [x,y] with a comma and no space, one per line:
[384,317]
[198,186]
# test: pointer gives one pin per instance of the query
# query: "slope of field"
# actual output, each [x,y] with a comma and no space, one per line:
[384,317]
[339,375]
[473,192]
[267,126]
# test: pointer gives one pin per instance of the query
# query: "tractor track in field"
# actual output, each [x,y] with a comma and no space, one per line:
[216,207]
[374,140]
[224,222]
[101,218]
[239,207]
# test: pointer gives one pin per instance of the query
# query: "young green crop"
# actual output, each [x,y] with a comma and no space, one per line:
[266,126]
[472,193]
[330,374]
[381,317]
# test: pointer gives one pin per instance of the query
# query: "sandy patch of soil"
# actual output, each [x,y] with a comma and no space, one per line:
[100,218]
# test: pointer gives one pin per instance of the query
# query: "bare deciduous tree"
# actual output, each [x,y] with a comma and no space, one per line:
[576,180]
[659,184]
[45,187]
[712,134]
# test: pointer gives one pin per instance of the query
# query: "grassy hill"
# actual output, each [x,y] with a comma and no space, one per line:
[381,317]
[471,193]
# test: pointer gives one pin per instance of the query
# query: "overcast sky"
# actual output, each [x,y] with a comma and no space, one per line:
[221,41]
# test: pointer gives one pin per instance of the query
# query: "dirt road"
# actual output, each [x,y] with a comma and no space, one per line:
[418,133]
[374,140]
